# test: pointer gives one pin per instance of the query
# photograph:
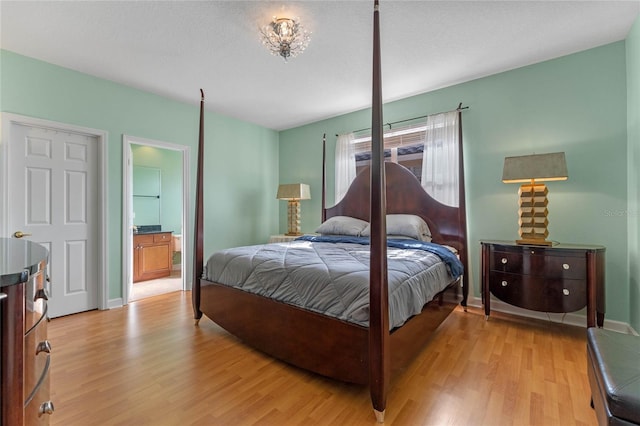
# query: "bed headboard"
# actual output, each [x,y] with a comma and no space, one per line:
[404,195]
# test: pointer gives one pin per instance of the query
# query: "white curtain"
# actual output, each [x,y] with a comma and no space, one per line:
[440,158]
[345,165]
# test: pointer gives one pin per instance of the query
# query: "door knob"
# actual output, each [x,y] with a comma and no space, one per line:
[20,234]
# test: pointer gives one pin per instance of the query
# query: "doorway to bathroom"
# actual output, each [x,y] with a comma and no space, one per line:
[155,196]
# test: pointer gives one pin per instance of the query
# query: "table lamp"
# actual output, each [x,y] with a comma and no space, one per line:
[530,170]
[293,193]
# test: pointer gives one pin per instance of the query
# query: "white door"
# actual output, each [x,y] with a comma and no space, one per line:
[53,188]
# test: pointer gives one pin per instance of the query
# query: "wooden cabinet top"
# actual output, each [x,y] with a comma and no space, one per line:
[560,246]
[152,233]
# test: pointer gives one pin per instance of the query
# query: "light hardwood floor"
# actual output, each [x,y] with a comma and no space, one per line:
[143,289]
[147,364]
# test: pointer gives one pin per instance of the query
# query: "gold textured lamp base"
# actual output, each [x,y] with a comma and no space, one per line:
[293,218]
[533,215]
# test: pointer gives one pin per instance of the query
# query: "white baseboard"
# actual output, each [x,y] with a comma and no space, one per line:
[115,303]
[573,318]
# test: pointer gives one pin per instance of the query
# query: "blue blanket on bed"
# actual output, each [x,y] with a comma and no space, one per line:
[453,263]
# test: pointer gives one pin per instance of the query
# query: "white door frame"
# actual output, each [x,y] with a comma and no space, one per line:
[127,209]
[9,120]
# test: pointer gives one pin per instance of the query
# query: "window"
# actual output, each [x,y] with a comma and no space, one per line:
[429,149]
[403,145]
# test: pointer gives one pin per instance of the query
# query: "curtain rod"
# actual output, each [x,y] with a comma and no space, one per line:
[460,108]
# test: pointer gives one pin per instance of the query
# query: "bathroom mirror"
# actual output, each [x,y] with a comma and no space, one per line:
[146,195]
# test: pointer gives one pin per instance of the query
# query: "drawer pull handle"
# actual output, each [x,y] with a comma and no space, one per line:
[3,296]
[504,260]
[565,266]
[43,346]
[46,408]
[504,283]
[41,294]
[565,291]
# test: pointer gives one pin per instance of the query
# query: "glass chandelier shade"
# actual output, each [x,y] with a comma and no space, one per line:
[285,37]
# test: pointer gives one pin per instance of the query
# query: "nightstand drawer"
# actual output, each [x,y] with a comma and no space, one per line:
[540,262]
[561,266]
[506,261]
[539,293]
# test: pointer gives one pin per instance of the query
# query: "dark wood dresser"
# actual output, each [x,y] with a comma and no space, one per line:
[24,367]
[561,278]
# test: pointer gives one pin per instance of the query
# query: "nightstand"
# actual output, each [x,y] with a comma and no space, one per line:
[561,278]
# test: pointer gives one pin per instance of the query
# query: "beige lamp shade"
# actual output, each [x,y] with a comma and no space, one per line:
[540,167]
[293,193]
[533,212]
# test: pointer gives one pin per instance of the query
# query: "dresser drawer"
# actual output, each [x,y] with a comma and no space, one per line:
[143,239]
[35,302]
[539,293]
[540,262]
[160,238]
[564,266]
[38,407]
[36,355]
[506,261]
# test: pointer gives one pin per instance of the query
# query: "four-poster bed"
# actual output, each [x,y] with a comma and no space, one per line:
[365,353]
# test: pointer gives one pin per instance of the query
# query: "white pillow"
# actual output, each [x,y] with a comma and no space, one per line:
[408,225]
[342,225]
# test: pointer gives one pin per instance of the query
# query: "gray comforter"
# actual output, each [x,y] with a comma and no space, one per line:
[331,278]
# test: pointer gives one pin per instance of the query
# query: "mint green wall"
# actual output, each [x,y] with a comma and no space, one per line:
[170,164]
[146,192]
[632,45]
[579,104]
[575,104]
[239,201]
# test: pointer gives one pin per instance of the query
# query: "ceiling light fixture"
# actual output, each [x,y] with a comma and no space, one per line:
[285,37]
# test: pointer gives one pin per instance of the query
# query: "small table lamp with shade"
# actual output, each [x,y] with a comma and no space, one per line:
[530,170]
[293,193]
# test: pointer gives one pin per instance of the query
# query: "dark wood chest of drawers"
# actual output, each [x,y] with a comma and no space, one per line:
[25,362]
[562,278]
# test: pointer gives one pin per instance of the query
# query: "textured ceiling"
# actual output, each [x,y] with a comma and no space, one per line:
[174,48]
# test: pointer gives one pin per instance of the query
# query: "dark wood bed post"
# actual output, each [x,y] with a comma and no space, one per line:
[379,359]
[198,244]
[462,212]
[324,177]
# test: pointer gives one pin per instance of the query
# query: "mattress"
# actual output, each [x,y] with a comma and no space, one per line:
[330,275]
